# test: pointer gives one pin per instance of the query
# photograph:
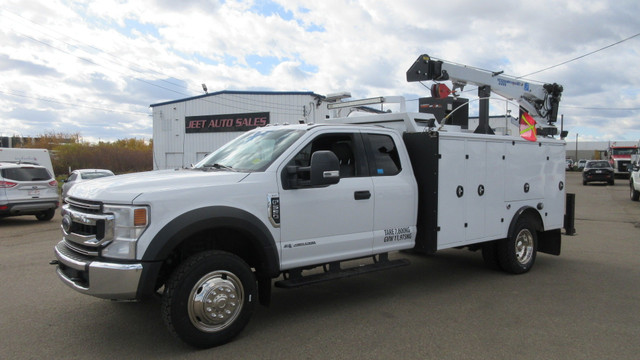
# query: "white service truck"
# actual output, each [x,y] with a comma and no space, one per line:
[284,202]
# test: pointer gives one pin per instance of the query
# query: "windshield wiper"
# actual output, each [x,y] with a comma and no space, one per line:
[219,166]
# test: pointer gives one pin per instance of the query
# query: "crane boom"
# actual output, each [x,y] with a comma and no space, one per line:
[540,101]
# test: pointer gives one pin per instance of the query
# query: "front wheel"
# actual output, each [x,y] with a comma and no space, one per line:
[209,299]
[517,253]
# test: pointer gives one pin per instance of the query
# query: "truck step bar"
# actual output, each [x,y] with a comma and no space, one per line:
[294,278]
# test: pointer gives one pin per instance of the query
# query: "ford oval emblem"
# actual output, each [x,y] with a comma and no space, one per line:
[66,223]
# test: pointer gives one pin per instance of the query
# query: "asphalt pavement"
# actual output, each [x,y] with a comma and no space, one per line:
[583,304]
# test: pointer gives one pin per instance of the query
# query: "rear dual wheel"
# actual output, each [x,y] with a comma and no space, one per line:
[517,253]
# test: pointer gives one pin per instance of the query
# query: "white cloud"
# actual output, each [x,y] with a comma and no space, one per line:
[121,55]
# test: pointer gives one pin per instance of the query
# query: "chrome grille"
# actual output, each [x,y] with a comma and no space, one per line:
[92,207]
[85,228]
[622,165]
[79,249]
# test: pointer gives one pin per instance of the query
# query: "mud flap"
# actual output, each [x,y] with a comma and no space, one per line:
[549,242]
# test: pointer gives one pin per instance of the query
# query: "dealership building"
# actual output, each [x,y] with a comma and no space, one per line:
[186,130]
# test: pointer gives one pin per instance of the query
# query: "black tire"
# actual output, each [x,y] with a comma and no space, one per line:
[584,182]
[46,215]
[490,255]
[612,182]
[209,299]
[517,253]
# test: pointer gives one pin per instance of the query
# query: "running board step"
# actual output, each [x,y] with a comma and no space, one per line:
[294,278]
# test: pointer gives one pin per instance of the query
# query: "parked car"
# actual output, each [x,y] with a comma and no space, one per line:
[82,175]
[569,164]
[597,170]
[27,189]
[581,163]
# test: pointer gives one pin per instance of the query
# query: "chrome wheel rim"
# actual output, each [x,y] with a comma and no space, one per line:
[215,301]
[524,246]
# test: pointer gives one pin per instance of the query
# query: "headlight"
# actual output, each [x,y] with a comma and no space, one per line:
[129,224]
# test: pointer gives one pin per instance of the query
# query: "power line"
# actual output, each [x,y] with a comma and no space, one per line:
[284,108]
[95,63]
[601,108]
[130,67]
[581,56]
[70,104]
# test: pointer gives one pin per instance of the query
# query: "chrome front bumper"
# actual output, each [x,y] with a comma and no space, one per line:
[105,280]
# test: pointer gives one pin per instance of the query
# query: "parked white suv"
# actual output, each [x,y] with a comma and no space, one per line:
[27,189]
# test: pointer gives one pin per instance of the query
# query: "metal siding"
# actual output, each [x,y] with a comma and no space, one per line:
[169,135]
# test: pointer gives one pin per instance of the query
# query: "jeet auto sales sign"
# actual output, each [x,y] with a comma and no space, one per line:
[225,123]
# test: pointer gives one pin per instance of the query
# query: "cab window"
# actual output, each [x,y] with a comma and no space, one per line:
[344,146]
[383,155]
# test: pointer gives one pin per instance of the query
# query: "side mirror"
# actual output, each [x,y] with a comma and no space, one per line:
[325,168]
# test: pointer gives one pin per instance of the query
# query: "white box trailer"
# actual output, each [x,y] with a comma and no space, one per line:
[40,157]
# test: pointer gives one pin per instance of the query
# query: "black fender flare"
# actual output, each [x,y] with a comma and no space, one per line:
[549,241]
[194,221]
[525,211]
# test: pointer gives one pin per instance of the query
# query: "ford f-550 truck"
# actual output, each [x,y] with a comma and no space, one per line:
[280,201]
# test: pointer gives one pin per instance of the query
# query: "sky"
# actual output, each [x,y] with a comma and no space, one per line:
[93,67]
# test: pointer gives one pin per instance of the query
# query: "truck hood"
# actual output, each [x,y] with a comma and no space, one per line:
[125,188]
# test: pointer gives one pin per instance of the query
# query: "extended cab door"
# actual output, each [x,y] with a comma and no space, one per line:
[395,192]
[326,223]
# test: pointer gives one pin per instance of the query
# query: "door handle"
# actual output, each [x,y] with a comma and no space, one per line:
[362,195]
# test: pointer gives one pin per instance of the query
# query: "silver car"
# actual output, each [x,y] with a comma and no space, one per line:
[27,189]
[82,175]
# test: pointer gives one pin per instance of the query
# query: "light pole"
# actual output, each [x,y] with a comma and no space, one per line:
[576,146]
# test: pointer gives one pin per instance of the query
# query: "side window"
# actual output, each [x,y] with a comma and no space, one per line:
[384,155]
[343,145]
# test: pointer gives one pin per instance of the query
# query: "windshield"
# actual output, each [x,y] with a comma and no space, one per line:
[624,151]
[95,175]
[253,151]
[597,165]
